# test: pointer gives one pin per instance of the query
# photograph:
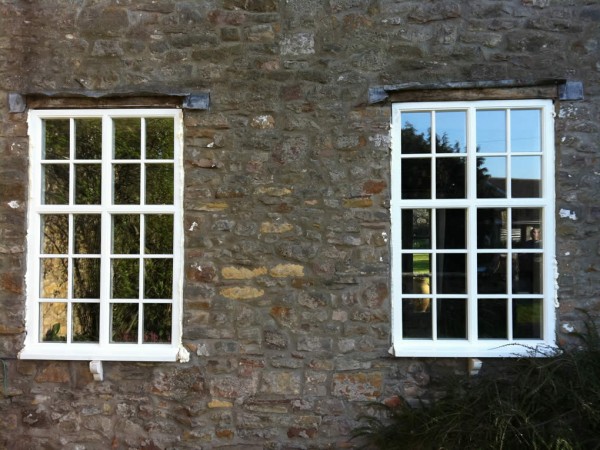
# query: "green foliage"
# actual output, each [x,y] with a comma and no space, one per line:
[528,403]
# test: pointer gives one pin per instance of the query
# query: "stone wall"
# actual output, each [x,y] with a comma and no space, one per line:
[287,290]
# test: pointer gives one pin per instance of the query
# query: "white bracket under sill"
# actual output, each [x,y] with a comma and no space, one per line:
[474,366]
[97,371]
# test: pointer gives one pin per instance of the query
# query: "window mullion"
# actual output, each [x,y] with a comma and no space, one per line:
[106,228]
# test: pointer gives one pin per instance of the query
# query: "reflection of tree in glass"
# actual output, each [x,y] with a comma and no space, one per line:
[159,138]
[124,322]
[157,322]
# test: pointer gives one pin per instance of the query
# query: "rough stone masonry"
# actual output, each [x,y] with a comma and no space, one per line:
[287,174]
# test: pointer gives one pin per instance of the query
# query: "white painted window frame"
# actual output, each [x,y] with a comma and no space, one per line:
[472,347]
[104,350]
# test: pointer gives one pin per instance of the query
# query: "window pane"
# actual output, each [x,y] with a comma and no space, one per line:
[159,138]
[452,318]
[527,318]
[127,137]
[451,229]
[492,227]
[159,233]
[524,220]
[451,273]
[86,277]
[126,179]
[88,138]
[416,318]
[416,228]
[451,131]
[53,322]
[526,176]
[87,233]
[124,322]
[55,233]
[416,178]
[55,184]
[57,137]
[525,130]
[157,322]
[158,278]
[159,184]
[416,132]
[416,273]
[88,182]
[491,273]
[125,278]
[450,178]
[492,318]
[491,177]
[86,322]
[126,234]
[527,273]
[491,131]
[54,278]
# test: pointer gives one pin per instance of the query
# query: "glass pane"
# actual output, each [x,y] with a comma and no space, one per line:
[491,177]
[159,233]
[451,318]
[86,322]
[451,132]
[126,184]
[88,138]
[57,137]
[53,322]
[55,233]
[160,138]
[416,178]
[527,273]
[524,220]
[87,233]
[53,278]
[416,228]
[491,131]
[416,132]
[450,178]
[55,184]
[159,184]
[416,273]
[86,278]
[525,130]
[491,273]
[157,322]
[158,278]
[126,234]
[416,318]
[527,318]
[492,228]
[88,182]
[124,322]
[492,318]
[128,142]
[125,278]
[526,176]
[451,273]
[451,228]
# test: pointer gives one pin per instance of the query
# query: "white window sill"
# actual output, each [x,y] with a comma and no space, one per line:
[484,349]
[112,352]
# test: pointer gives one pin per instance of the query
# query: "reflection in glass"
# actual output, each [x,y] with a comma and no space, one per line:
[525,130]
[126,184]
[57,137]
[86,322]
[88,138]
[53,322]
[125,278]
[124,322]
[127,141]
[491,177]
[527,318]
[158,278]
[451,273]
[159,233]
[88,181]
[491,273]
[492,227]
[416,228]
[523,221]
[492,318]
[416,178]
[126,234]
[526,176]
[451,229]
[159,184]
[55,184]
[416,273]
[450,177]
[451,131]
[160,138]
[451,318]
[491,131]
[527,273]
[416,132]
[157,322]
[416,318]
[87,233]
[86,277]
[53,283]
[55,233]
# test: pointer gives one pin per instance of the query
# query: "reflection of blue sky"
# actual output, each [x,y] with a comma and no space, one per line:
[491,131]
[525,129]
[526,167]
[453,125]
[421,121]
[496,166]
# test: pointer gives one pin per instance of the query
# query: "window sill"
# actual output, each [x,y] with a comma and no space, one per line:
[461,349]
[120,352]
